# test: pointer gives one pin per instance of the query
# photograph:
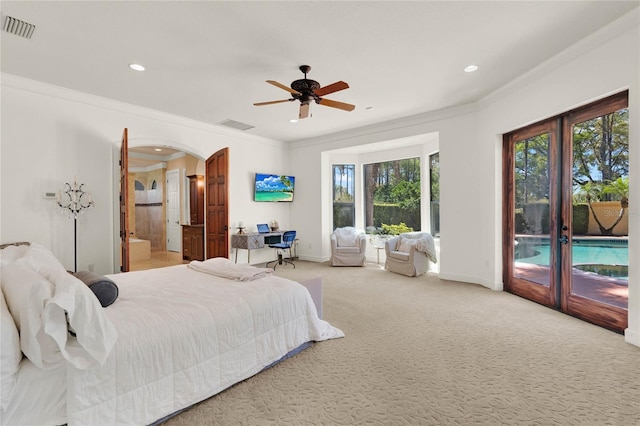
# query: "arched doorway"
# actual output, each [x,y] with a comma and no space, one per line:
[159,204]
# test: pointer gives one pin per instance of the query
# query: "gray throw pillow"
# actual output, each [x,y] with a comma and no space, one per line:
[105,289]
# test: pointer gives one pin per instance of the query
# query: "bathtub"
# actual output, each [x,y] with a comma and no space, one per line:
[139,250]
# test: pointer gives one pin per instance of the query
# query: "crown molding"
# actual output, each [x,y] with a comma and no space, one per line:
[42,88]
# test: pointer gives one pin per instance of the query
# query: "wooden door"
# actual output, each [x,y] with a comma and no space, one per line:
[597,297]
[530,155]
[124,192]
[217,228]
[547,258]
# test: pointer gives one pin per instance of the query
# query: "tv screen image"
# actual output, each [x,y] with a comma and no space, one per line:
[269,187]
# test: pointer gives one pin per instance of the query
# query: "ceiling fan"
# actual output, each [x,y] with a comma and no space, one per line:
[305,91]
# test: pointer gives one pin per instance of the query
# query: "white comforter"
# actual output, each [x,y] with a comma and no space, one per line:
[181,344]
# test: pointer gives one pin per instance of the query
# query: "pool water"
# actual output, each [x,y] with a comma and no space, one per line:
[592,253]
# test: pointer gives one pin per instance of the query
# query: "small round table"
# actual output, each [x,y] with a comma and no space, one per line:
[378,248]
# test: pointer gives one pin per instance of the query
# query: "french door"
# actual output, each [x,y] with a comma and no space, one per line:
[561,247]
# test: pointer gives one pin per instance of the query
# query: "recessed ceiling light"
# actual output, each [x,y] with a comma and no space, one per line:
[136,67]
[293,120]
[470,68]
[158,149]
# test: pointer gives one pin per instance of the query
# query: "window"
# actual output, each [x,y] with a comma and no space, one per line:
[434,190]
[343,195]
[392,196]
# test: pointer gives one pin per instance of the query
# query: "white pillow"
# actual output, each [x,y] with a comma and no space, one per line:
[346,237]
[74,302]
[11,354]
[346,240]
[26,293]
[12,253]
[42,261]
[46,303]
[405,244]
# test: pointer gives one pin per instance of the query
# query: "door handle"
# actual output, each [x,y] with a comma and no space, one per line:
[563,239]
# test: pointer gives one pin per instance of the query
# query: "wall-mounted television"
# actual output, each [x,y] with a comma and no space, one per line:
[270,187]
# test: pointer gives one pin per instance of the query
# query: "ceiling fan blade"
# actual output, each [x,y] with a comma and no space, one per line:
[304,111]
[283,87]
[338,85]
[336,104]
[273,102]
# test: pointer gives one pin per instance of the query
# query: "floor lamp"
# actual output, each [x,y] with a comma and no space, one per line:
[73,200]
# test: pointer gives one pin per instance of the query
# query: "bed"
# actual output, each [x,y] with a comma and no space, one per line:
[174,336]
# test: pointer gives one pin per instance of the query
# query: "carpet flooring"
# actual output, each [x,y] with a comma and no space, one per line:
[425,351]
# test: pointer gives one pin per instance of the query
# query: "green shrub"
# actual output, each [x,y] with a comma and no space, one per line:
[395,229]
[393,213]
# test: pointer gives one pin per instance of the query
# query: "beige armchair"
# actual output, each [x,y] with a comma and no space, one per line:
[348,247]
[410,253]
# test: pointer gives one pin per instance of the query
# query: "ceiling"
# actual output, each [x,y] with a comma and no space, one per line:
[208,60]
[141,157]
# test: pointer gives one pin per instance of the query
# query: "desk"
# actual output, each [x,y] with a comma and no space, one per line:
[254,241]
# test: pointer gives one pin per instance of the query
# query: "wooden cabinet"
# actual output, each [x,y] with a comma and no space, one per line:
[196,199]
[193,242]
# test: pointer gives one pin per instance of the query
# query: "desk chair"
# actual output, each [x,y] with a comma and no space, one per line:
[287,241]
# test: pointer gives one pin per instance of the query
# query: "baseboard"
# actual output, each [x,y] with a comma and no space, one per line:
[632,337]
[470,279]
[317,259]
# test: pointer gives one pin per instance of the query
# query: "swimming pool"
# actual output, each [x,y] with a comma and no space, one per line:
[584,252]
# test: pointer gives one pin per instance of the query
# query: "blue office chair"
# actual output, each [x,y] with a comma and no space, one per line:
[287,241]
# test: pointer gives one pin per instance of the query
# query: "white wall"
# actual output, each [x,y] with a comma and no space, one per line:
[470,154]
[50,134]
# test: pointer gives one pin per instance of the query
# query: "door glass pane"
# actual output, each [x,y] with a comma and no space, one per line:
[600,237]
[532,252]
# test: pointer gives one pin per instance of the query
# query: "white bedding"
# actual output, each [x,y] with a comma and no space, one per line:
[178,345]
[40,397]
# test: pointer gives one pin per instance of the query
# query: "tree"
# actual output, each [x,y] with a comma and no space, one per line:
[601,162]
[371,173]
[597,191]
[532,170]
[601,148]
[395,182]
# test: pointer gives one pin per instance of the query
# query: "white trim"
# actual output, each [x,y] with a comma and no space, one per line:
[471,280]
[34,86]
[632,337]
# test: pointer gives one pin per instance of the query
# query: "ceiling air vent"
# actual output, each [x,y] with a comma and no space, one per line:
[17,27]
[235,124]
